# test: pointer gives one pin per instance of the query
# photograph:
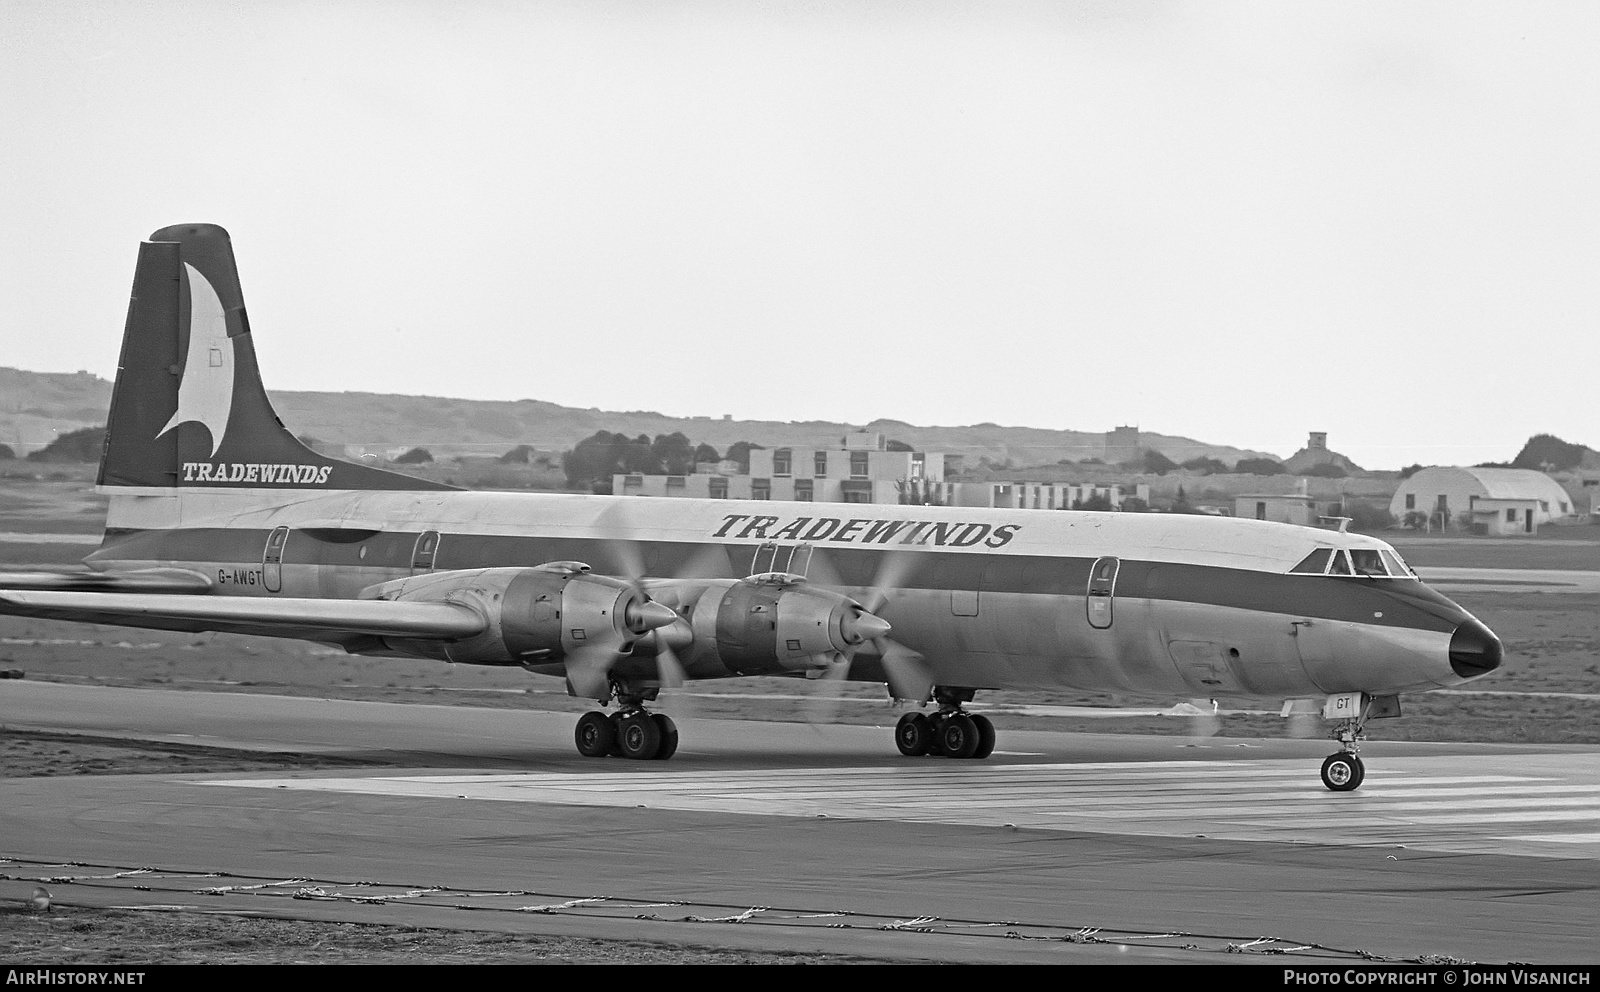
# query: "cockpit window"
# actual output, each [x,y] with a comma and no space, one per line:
[1341,564]
[1397,567]
[1367,562]
[1314,564]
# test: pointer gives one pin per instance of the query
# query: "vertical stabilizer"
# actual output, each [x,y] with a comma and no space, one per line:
[188,409]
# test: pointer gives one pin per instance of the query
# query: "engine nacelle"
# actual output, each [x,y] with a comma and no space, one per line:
[536,615]
[775,623]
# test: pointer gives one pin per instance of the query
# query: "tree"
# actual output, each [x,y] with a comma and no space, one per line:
[520,455]
[1258,466]
[1210,466]
[7,452]
[416,456]
[673,453]
[593,460]
[706,453]
[739,451]
[1155,463]
[894,445]
[1410,470]
[1327,470]
[1133,504]
[83,445]
[1095,502]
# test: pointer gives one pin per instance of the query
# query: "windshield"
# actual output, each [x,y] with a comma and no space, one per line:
[1371,563]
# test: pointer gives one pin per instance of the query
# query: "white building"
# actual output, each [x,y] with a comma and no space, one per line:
[1491,500]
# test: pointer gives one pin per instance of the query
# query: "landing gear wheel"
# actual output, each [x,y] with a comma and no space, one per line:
[1343,772]
[669,736]
[985,737]
[913,735]
[616,736]
[639,737]
[594,735]
[959,737]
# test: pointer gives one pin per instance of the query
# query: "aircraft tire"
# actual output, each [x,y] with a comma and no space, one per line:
[959,737]
[639,737]
[595,735]
[1343,772]
[669,736]
[913,735]
[986,736]
[616,736]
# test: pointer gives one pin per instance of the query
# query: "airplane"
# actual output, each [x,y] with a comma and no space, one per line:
[219,519]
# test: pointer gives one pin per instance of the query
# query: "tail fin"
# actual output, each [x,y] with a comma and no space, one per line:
[188,409]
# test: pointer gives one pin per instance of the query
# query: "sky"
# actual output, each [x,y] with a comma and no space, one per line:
[1237,222]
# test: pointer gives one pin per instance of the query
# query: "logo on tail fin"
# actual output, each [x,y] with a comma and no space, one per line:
[205,393]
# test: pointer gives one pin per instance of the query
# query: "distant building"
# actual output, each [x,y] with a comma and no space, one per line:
[1316,454]
[1122,445]
[863,470]
[860,470]
[1285,508]
[1490,500]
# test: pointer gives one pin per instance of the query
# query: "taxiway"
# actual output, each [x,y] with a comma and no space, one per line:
[1061,847]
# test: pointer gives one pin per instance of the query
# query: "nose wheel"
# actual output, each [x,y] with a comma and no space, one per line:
[1343,772]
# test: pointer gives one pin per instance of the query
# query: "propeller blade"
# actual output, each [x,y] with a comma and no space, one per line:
[823,706]
[1204,722]
[589,668]
[909,675]
[893,571]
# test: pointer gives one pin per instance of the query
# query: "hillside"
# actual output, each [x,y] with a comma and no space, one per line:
[35,407]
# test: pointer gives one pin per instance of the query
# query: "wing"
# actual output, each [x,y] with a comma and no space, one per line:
[307,619]
[147,580]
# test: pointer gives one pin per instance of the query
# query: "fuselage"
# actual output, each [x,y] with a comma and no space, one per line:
[1153,604]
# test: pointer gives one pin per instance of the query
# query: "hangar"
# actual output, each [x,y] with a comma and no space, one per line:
[1492,500]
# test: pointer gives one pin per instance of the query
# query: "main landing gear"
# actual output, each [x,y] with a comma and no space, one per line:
[950,733]
[630,732]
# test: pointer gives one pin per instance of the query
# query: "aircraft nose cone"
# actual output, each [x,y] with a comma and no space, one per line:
[1474,650]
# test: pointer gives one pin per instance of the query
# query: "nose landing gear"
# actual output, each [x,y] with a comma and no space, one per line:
[1344,771]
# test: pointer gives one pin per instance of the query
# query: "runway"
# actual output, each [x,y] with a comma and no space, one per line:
[1062,847]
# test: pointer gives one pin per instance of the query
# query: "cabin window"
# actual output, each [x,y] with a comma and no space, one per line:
[1313,564]
[1102,588]
[1341,564]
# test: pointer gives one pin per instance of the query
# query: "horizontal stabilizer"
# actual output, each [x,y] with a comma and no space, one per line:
[146,580]
[310,619]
